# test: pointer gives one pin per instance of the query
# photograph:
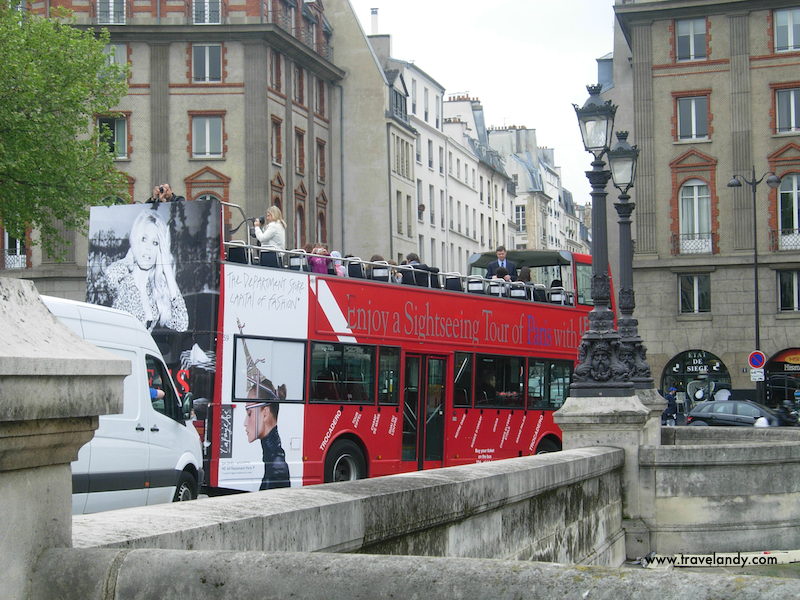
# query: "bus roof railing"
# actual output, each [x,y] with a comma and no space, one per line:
[389,274]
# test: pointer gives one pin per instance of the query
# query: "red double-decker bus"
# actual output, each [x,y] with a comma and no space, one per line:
[302,378]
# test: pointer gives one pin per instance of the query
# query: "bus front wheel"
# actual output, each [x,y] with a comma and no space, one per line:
[345,462]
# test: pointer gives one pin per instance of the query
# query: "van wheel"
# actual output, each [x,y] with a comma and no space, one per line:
[187,488]
[547,446]
[345,462]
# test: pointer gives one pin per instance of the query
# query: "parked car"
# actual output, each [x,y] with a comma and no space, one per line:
[730,413]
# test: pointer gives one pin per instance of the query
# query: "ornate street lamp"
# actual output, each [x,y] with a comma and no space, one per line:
[599,372]
[774,182]
[622,160]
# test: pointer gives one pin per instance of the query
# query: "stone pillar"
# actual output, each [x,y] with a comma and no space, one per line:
[622,422]
[53,386]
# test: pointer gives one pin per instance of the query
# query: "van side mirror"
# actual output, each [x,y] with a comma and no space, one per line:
[186,405]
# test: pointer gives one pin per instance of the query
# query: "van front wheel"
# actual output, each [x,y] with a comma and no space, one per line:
[187,488]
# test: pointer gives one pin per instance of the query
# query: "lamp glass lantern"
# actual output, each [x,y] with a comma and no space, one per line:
[622,160]
[596,120]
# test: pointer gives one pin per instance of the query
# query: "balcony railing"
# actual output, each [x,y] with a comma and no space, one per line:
[693,243]
[785,240]
[12,259]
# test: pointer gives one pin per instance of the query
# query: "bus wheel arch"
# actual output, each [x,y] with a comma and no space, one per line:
[346,460]
[548,444]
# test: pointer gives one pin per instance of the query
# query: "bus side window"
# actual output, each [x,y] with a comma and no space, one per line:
[388,375]
[462,387]
[560,379]
[536,378]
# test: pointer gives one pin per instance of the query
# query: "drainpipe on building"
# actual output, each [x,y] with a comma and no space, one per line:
[341,164]
[389,189]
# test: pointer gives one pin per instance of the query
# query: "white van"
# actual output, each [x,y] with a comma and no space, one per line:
[147,454]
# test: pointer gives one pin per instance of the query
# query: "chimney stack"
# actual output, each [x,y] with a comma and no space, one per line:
[374,13]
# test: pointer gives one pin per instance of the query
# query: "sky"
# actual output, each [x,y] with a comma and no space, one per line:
[527,61]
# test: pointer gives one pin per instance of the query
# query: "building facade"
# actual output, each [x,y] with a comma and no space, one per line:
[234,102]
[716,92]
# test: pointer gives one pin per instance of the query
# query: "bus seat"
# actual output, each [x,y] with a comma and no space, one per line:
[355,268]
[475,284]
[237,253]
[380,271]
[539,292]
[496,287]
[271,258]
[517,290]
[452,281]
[298,260]
[407,275]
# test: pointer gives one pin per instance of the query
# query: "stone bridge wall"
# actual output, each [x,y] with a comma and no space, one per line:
[562,507]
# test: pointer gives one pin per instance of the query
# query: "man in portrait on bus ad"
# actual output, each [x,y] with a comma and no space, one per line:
[261,423]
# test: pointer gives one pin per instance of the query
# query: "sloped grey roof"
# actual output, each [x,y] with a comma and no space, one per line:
[530,164]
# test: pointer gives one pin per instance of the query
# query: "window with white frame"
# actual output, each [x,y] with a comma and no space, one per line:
[276,140]
[111,12]
[519,217]
[695,218]
[787,29]
[693,118]
[431,204]
[695,292]
[690,39]
[321,162]
[15,256]
[275,71]
[787,115]
[299,85]
[117,128]
[207,136]
[206,63]
[789,212]
[207,12]
[414,96]
[430,154]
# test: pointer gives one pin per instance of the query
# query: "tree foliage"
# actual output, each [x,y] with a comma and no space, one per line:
[54,163]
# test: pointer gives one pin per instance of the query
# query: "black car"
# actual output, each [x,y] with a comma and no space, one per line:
[730,413]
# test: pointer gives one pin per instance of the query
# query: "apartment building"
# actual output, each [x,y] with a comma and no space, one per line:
[235,102]
[716,93]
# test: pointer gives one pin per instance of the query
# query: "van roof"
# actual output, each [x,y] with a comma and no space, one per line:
[101,324]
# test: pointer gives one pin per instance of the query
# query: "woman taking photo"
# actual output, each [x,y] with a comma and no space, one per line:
[271,234]
[143,283]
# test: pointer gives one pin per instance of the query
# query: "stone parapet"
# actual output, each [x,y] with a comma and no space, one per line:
[97,574]
[561,507]
[53,386]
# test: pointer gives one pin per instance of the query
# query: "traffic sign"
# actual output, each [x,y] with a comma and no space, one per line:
[757,360]
[756,374]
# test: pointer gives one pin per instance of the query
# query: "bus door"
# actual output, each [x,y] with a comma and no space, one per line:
[423,410]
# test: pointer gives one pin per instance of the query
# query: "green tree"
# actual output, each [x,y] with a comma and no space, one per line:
[54,163]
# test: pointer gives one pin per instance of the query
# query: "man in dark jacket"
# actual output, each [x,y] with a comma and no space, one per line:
[670,414]
[261,422]
[501,261]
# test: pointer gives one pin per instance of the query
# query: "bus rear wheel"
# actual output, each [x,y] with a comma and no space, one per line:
[345,462]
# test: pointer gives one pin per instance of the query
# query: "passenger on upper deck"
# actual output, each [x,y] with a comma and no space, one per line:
[501,261]
[271,234]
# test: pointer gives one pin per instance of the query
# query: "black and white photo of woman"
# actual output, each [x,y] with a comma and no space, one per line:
[143,282]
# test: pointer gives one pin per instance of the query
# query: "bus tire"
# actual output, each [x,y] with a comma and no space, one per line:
[547,446]
[345,462]
[186,489]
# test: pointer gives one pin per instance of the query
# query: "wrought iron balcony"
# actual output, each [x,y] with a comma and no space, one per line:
[785,240]
[693,243]
[12,259]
